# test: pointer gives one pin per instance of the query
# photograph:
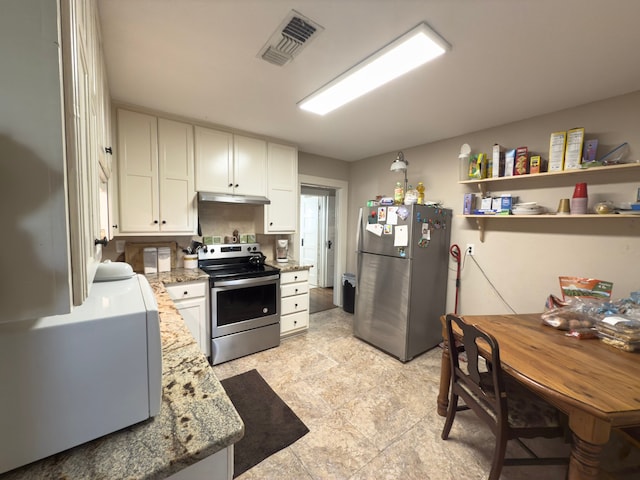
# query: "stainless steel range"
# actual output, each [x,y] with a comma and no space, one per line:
[245,300]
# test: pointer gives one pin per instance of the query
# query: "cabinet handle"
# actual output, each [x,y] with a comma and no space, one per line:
[108,150]
[114,226]
[236,185]
[296,290]
[295,322]
[271,224]
[185,293]
[164,221]
[231,184]
[296,305]
[102,242]
[155,221]
[295,278]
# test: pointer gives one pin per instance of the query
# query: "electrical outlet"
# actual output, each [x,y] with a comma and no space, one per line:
[471,249]
[120,245]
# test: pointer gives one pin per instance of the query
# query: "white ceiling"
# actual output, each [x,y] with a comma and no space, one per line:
[510,60]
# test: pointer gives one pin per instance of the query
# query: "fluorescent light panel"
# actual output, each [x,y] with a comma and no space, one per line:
[414,48]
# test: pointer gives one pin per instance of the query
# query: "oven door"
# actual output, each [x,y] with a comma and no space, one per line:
[243,304]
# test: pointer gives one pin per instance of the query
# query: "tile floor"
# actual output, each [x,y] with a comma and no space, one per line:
[320,299]
[370,416]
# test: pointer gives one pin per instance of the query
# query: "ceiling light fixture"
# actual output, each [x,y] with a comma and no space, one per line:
[414,48]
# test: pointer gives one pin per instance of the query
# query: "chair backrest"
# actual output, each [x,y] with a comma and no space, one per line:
[480,384]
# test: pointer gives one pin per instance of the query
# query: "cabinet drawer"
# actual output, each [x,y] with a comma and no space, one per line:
[296,303]
[295,276]
[294,289]
[181,291]
[293,322]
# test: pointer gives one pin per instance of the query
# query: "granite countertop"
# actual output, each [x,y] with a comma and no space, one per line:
[178,275]
[196,418]
[290,266]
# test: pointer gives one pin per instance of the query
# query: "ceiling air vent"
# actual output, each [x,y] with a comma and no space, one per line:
[294,33]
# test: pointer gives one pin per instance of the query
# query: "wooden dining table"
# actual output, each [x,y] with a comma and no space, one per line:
[596,385]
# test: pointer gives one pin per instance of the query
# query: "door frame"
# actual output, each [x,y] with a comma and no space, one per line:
[340,253]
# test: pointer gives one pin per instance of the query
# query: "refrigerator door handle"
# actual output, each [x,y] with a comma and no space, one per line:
[358,231]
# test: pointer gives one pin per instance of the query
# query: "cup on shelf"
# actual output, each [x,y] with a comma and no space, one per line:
[564,207]
[579,200]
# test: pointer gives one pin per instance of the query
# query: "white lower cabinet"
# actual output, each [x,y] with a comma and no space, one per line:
[218,466]
[294,302]
[190,299]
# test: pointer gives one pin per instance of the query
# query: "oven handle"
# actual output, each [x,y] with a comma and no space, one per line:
[247,281]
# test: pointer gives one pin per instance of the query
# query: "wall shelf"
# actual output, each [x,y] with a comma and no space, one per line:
[482,219]
[482,183]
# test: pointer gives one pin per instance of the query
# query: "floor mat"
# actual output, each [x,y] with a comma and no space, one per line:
[269,424]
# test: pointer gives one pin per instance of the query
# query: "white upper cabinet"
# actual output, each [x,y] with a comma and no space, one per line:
[282,189]
[230,164]
[156,179]
[249,166]
[138,172]
[51,120]
[214,160]
[177,193]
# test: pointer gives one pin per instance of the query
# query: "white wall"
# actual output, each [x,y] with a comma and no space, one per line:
[524,257]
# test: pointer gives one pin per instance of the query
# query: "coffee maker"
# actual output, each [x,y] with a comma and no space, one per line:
[282,251]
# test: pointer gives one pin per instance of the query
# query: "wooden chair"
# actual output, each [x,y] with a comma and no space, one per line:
[510,410]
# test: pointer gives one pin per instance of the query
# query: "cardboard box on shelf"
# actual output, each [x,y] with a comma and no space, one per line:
[556,151]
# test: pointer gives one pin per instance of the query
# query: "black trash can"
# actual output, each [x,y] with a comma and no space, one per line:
[348,292]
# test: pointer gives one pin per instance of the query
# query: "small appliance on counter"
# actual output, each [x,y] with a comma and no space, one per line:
[69,379]
[282,251]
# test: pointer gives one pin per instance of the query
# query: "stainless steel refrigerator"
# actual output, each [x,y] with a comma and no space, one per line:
[401,278]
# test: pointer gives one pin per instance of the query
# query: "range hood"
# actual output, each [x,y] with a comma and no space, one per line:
[227,198]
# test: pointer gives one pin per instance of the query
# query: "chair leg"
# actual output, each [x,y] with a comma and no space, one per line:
[451,414]
[498,456]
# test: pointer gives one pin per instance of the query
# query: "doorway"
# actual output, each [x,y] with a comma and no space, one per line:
[323,219]
[317,240]
[317,234]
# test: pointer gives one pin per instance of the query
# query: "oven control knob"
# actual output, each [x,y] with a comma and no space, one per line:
[265,310]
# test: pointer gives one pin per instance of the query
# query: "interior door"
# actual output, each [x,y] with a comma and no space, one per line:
[309,206]
[330,241]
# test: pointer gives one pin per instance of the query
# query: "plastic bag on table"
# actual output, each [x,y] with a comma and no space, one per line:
[572,314]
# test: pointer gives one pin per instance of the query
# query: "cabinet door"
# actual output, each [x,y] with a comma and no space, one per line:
[214,155]
[138,172]
[176,192]
[249,166]
[83,162]
[194,314]
[282,179]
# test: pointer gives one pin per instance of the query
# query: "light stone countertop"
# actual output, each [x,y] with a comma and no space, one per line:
[290,266]
[196,418]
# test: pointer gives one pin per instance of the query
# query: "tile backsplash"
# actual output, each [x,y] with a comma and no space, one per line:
[216,220]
